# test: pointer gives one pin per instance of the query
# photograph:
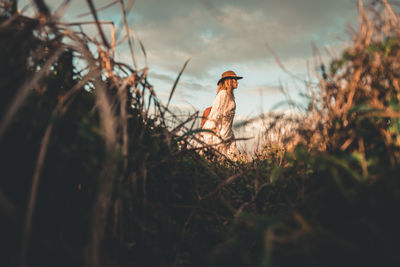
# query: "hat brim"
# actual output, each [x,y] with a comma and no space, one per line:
[229,77]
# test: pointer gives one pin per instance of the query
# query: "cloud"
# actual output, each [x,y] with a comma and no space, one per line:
[161,77]
[218,35]
[238,34]
[259,90]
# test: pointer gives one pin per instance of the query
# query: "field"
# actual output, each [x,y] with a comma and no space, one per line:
[93,174]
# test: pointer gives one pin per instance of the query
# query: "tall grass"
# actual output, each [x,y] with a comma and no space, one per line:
[92,174]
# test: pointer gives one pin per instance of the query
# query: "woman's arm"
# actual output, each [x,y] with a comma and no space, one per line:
[218,110]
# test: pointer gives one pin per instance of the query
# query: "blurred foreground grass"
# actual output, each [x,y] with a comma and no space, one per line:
[92,176]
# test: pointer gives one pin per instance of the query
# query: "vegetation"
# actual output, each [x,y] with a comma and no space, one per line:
[92,176]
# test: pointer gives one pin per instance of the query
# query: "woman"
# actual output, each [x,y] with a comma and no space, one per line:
[221,116]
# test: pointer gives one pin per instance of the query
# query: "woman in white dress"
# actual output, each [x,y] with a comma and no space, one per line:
[221,117]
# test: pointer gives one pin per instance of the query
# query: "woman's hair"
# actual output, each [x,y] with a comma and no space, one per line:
[226,85]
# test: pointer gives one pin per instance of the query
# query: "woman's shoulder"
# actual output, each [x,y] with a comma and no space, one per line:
[225,96]
[222,94]
[224,99]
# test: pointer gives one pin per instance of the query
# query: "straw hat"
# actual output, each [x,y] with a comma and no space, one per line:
[229,75]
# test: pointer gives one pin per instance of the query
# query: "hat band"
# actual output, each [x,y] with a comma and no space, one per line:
[229,77]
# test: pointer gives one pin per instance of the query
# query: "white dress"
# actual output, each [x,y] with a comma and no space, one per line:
[220,121]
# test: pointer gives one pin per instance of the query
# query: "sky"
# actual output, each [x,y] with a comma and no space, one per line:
[220,35]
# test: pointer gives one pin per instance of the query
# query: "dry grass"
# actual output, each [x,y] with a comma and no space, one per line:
[155,198]
[359,92]
[102,73]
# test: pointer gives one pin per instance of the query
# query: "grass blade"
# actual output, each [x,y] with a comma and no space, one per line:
[93,10]
[24,90]
[176,81]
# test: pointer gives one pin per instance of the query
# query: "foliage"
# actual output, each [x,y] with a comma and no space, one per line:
[115,186]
